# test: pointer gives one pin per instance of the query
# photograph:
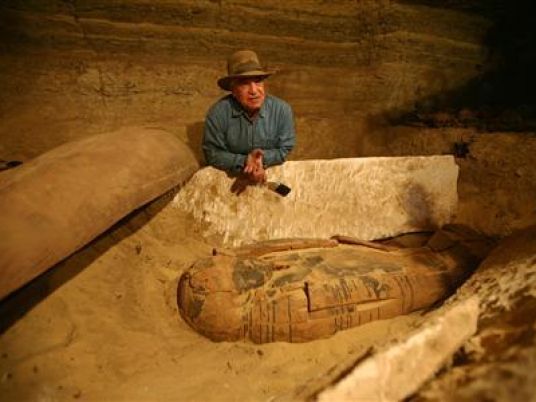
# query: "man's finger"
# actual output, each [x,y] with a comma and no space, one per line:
[256,153]
[259,175]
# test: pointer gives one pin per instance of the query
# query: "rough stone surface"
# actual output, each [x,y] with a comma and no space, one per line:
[499,361]
[497,183]
[92,66]
[496,362]
[400,369]
[366,198]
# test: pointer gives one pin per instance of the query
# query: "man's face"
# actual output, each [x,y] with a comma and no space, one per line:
[249,92]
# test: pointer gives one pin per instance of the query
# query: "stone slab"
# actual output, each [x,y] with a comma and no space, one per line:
[399,370]
[366,198]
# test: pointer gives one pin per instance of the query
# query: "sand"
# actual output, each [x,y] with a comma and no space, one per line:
[103,325]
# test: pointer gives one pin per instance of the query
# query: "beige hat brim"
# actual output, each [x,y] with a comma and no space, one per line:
[225,82]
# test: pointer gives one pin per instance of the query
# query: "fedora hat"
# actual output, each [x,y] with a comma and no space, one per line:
[243,63]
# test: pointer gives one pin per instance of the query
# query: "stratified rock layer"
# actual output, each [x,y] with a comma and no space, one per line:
[367,198]
[349,70]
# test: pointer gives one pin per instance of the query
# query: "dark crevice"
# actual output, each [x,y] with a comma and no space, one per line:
[503,95]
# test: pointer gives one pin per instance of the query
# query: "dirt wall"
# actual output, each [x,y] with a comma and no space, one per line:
[364,79]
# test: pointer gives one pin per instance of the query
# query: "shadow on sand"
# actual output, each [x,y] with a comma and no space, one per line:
[20,302]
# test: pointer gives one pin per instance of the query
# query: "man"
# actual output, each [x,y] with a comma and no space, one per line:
[247,130]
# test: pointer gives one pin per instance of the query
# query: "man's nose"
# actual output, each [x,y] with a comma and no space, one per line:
[253,88]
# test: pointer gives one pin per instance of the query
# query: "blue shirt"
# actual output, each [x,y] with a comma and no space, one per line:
[230,135]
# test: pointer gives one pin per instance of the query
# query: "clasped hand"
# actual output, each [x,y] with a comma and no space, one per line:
[254,169]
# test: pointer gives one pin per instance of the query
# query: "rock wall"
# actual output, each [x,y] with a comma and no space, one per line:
[356,74]
[498,362]
[497,182]
[70,69]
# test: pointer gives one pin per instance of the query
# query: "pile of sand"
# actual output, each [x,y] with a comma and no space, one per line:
[103,325]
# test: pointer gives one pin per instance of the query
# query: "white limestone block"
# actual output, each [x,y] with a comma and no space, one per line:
[367,198]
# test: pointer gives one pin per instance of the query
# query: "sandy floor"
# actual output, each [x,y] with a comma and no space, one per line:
[103,325]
